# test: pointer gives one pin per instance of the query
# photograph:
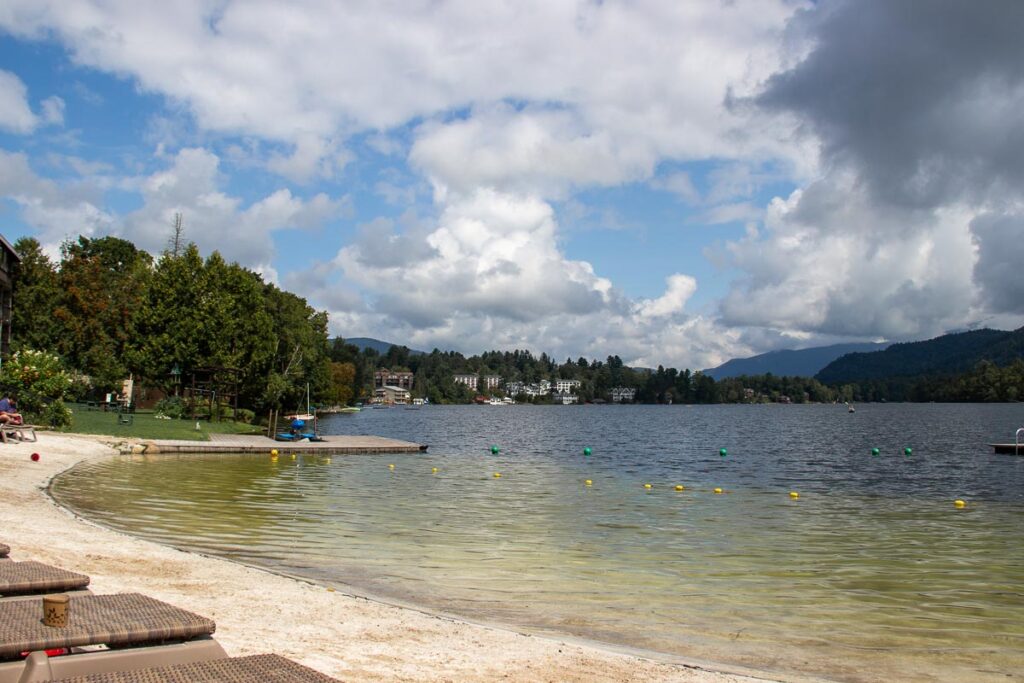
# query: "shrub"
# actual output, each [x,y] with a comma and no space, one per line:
[38,382]
[172,406]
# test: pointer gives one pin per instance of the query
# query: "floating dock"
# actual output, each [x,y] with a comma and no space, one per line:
[331,445]
[1010,448]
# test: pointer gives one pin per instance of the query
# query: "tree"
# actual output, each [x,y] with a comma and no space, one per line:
[36,294]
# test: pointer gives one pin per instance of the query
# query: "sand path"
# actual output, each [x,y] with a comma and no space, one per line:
[352,638]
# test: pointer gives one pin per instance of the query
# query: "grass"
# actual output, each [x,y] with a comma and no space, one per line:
[146,426]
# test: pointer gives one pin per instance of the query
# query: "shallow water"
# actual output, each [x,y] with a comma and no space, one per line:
[871,574]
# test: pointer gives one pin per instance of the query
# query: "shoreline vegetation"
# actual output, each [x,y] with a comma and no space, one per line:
[256,611]
[196,337]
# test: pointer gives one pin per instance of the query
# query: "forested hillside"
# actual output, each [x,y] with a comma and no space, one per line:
[949,354]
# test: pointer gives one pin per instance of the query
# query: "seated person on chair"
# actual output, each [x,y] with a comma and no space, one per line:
[9,412]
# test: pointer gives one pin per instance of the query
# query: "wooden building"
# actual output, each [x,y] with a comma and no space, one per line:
[8,261]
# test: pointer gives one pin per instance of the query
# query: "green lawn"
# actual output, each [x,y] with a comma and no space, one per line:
[146,426]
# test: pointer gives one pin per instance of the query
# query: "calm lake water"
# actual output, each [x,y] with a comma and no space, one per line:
[872,574]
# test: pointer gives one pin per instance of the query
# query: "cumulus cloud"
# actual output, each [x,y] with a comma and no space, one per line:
[999,239]
[213,219]
[15,114]
[921,148]
[57,211]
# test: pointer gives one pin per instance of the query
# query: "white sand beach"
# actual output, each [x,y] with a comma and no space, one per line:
[349,637]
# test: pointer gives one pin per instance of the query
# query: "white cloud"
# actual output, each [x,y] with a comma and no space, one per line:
[53,111]
[15,114]
[57,211]
[213,219]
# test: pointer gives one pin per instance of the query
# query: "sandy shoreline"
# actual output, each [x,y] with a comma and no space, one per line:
[352,638]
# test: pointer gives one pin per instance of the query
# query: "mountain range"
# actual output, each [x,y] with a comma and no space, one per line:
[949,354]
[790,363]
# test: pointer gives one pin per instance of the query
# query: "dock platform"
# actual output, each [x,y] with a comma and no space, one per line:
[239,443]
[1010,448]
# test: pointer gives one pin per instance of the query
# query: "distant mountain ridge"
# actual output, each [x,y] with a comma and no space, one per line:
[790,363]
[946,355]
[377,345]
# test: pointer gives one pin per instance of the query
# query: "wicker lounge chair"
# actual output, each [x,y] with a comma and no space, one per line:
[138,631]
[20,579]
[252,669]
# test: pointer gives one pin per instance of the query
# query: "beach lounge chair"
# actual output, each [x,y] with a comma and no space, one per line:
[137,631]
[19,432]
[252,669]
[20,579]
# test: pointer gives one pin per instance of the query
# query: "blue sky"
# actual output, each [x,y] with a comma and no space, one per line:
[670,182]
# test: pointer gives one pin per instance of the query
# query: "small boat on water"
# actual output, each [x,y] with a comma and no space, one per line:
[301,426]
[349,410]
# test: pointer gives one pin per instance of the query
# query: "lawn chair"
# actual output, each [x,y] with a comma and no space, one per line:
[19,580]
[137,631]
[20,432]
[251,669]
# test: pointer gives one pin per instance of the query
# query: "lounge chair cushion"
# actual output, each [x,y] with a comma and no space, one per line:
[36,577]
[128,619]
[271,668]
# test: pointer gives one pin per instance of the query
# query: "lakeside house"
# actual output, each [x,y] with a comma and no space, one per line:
[8,260]
[469,379]
[391,378]
[623,394]
[564,398]
[567,385]
[491,382]
[390,395]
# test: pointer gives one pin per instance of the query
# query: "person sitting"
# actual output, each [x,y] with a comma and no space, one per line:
[9,412]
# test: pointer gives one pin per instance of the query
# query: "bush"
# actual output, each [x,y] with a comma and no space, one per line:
[38,382]
[245,416]
[56,414]
[172,406]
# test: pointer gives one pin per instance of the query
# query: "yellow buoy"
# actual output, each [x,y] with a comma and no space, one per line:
[293,456]
[588,482]
[327,460]
[718,490]
[497,475]
[794,495]
[647,486]
[391,467]
[434,470]
[273,452]
[959,503]
[679,487]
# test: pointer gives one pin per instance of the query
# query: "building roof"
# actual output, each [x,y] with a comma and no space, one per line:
[7,245]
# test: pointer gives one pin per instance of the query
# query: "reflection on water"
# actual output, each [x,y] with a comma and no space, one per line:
[871,574]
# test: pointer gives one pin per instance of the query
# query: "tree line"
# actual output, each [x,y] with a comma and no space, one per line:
[110,310]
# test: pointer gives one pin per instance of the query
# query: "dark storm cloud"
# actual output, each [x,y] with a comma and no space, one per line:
[924,99]
[1000,242]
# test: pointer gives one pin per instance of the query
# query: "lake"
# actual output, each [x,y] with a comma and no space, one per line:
[870,574]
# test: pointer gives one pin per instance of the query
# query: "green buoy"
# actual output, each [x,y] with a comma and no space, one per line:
[875,451]
[494,450]
[587,450]
[722,452]
[908,451]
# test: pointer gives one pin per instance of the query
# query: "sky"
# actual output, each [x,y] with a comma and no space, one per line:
[676,183]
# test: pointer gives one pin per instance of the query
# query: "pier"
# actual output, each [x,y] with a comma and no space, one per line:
[238,443]
[1012,449]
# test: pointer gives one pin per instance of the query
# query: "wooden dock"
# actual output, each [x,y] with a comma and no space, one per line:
[1010,448]
[238,443]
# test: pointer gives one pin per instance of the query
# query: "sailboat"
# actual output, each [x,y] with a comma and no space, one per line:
[303,426]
